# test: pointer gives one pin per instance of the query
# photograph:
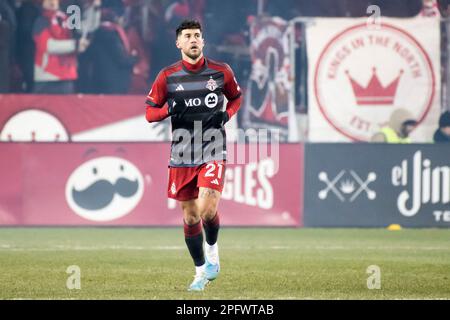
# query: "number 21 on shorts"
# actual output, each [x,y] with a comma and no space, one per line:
[211,168]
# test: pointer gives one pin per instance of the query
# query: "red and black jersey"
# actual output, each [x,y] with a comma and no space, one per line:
[203,87]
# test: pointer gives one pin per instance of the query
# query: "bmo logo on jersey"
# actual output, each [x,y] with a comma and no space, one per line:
[211,100]
[193,102]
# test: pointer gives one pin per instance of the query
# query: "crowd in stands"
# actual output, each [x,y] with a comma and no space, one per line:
[121,45]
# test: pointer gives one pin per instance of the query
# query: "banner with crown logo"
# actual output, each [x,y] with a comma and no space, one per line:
[359,74]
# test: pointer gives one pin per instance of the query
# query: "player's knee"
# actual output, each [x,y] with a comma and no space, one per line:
[191,219]
[191,216]
[208,213]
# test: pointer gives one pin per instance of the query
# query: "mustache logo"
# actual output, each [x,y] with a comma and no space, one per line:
[104,188]
[100,194]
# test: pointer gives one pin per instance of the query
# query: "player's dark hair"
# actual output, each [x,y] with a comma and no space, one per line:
[188,24]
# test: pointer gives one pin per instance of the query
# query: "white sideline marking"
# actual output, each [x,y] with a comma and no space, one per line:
[8,247]
[90,248]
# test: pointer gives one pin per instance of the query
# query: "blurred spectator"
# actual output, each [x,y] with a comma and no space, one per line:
[163,40]
[321,8]
[400,125]
[8,15]
[55,64]
[111,54]
[230,41]
[8,26]
[170,14]
[343,8]
[430,9]
[444,6]
[4,56]
[91,19]
[389,8]
[27,13]
[152,33]
[179,10]
[218,15]
[442,134]
[139,79]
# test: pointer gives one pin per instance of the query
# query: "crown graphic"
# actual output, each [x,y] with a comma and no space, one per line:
[374,93]
[347,187]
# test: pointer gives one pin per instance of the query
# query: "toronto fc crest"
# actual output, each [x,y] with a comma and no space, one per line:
[211,84]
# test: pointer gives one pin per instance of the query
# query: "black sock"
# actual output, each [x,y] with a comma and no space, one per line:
[193,236]
[212,229]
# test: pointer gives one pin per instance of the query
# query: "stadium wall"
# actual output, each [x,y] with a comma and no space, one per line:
[125,184]
[375,185]
[53,146]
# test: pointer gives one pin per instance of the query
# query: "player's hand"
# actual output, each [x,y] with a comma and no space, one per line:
[219,118]
[176,107]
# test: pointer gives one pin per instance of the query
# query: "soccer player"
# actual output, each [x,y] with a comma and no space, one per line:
[194,89]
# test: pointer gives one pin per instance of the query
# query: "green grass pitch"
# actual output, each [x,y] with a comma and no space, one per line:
[262,263]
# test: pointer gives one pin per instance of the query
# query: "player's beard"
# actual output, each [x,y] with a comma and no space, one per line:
[193,56]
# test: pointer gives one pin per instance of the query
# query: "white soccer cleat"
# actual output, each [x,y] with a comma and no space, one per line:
[212,264]
[199,282]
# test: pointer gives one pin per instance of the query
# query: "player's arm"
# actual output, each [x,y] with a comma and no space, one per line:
[156,106]
[233,93]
